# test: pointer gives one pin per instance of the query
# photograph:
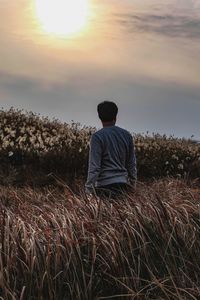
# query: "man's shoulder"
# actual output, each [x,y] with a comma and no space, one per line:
[108,130]
[124,131]
[97,136]
[97,133]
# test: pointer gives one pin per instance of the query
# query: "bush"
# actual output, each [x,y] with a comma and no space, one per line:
[35,144]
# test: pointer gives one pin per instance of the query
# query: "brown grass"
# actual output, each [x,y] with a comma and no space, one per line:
[60,245]
[32,147]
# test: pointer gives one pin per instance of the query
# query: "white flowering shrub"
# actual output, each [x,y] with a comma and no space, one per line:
[51,146]
[160,156]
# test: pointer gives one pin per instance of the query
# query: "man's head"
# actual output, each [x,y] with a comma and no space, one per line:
[107,111]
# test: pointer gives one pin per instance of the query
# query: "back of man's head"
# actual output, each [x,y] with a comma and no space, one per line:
[107,111]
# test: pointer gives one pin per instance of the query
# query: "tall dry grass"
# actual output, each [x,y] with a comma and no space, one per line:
[58,245]
[32,147]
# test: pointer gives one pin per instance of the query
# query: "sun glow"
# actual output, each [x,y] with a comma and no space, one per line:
[62,17]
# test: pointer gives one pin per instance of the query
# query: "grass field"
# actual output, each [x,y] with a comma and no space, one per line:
[58,244]
[32,147]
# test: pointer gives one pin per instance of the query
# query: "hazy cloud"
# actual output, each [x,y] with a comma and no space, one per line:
[154,80]
[167,25]
[144,105]
[9,81]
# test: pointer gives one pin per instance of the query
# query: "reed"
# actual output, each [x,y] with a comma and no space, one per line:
[32,147]
[56,244]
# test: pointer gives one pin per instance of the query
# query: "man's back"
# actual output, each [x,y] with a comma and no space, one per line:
[112,157]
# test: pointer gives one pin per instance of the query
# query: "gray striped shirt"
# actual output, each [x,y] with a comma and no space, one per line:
[111,158]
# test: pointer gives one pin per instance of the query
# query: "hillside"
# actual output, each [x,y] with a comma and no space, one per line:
[35,147]
[56,243]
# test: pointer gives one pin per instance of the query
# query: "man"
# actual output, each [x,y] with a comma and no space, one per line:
[112,161]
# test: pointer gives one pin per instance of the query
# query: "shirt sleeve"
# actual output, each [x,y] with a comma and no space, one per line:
[131,163]
[94,166]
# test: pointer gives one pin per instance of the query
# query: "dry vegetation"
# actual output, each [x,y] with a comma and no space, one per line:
[31,147]
[57,244]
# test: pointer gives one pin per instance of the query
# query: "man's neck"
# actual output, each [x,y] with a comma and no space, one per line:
[108,124]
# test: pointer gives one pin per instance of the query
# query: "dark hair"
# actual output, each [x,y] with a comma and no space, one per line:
[107,111]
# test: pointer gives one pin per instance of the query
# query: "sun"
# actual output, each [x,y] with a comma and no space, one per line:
[62,17]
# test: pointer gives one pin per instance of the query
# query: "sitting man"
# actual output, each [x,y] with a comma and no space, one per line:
[112,161]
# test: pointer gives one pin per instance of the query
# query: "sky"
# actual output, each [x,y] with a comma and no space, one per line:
[142,54]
